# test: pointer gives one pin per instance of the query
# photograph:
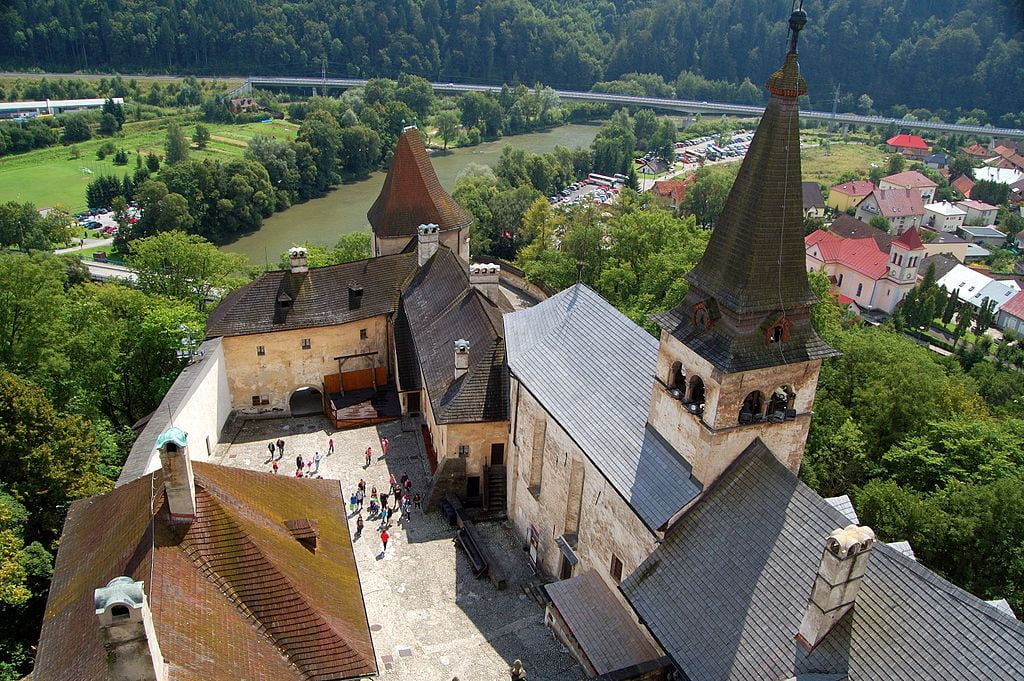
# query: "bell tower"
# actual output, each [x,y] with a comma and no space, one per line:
[739,358]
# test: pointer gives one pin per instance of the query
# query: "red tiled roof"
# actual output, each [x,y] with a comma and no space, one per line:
[233,594]
[860,255]
[676,188]
[412,195]
[1014,306]
[909,240]
[895,203]
[910,179]
[909,141]
[978,151]
[855,188]
[976,205]
[963,184]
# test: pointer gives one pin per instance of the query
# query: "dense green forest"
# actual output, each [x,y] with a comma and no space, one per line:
[942,55]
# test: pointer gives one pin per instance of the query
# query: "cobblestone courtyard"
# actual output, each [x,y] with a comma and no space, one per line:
[430,618]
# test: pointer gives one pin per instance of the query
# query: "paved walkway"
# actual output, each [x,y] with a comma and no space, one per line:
[89,243]
[430,618]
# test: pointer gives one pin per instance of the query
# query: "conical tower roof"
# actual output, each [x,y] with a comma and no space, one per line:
[753,275]
[412,195]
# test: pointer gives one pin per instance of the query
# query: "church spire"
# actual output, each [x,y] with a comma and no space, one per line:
[749,300]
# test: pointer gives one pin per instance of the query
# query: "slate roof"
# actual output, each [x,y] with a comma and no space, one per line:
[233,597]
[850,227]
[725,593]
[593,370]
[412,195]
[607,635]
[812,195]
[843,504]
[441,307]
[318,297]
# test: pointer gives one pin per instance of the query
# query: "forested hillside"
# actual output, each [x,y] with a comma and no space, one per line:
[941,55]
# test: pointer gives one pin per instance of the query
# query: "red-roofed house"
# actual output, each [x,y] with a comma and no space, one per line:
[849,194]
[979,212]
[911,179]
[979,152]
[862,268]
[963,184]
[670,193]
[1011,314]
[902,208]
[1011,157]
[910,146]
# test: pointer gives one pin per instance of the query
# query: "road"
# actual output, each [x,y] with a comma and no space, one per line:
[687,106]
[88,243]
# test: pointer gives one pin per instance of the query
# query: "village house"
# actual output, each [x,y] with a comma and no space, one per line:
[944,243]
[901,208]
[670,193]
[983,235]
[911,179]
[814,202]
[1011,314]
[978,152]
[936,161]
[243,105]
[866,265]
[847,195]
[978,212]
[963,185]
[910,146]
[944,216]
[972,286]
[1009,157]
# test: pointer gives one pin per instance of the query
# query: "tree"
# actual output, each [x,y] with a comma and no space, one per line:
[645,123]
[108,125]
[961,165]
[76,129]
[175,146]
[865,104]
[895,164]
[950,308]
[991,192]
[186,267]
[705,199]
[120,157]
[963,322]
[322,133]
[201,136]
[447,123]
[33,291]
[152,162]
[359,152]
[663,141]
[879,222]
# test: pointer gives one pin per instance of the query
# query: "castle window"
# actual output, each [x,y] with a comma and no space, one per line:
[362,334]
[259,400]
[306,344]
[753,404]
[616,569]
[260,350]
[463,451]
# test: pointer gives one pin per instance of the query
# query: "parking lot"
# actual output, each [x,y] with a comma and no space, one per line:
[707,148]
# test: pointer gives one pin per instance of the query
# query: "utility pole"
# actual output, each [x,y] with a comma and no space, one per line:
[835,107]
[323,75]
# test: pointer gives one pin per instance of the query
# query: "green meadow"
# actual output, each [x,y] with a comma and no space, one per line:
[54,176]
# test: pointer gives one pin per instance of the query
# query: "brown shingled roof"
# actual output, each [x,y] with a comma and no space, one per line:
[412,195]
[234,596]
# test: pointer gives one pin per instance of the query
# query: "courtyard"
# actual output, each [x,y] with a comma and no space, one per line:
[430,617]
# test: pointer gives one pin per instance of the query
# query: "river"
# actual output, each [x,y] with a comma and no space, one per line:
[344,209]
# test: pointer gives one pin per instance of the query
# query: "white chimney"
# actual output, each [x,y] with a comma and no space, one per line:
[297,258]
[179,482]
[126,626]
[484,277]
[427,239]
[843,564]
[461,357]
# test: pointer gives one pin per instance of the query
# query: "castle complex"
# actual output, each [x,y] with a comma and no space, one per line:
[652,481]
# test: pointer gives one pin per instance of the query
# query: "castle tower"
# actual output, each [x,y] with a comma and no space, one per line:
[739,358]
[412,196]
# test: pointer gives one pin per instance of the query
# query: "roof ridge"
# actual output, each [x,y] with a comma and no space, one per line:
[232,560]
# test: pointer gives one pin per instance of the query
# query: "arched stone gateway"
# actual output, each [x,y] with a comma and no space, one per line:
[306,401]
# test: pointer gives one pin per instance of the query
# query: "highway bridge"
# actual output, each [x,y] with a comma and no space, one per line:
[681,105]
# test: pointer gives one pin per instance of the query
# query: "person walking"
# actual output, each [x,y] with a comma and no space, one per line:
[369,455]
[405,476]
[270,446]
[280,448]
[316,460]
[359,498]
[384,536]
[416,501]
[408,485]
[373,493]
[362,484]
[383,501]
[273,464]
[385,445]
[359,526]
[299,462]
[330,446]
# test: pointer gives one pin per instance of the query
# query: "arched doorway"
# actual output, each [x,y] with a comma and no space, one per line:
[306,402]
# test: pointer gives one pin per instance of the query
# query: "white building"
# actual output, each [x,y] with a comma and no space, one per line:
[944,216]
[51,106]
[978,212]
[977,288]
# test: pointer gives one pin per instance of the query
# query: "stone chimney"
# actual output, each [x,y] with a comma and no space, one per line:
[179,482]
[126,626]
[461,357]
[298,260]
[484,278]
[843,564]
[427,240]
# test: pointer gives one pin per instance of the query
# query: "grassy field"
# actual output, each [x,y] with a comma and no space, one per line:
[826,165]
[47,177]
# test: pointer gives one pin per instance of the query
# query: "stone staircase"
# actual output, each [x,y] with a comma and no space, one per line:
[495,483]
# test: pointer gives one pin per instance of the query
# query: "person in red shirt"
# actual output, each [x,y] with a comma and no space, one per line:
[384,536]
[369,455]
[385,445]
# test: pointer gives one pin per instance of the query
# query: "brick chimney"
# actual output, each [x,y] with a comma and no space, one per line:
[179,482]
[843,564]
[427,240]
[484,278]
[126,626]
[297,258]
[461,357]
